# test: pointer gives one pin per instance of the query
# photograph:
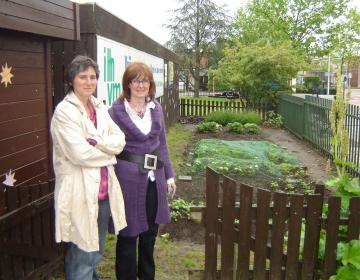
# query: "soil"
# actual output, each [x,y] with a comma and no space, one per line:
[191,230]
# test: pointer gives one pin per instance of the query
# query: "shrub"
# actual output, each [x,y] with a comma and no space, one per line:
[250,117]
[235,127]
[350,261]
[208,127]
[252,128]
[310,82]
[180,209]
[273,120]
[225,117]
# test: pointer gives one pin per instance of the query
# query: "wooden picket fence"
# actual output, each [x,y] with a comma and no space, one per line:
[27,245]
[203,107]
[260,232]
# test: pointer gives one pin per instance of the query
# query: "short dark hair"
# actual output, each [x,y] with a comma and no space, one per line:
[79,64]
[133,71]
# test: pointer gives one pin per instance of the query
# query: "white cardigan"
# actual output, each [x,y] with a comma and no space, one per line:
[77,171]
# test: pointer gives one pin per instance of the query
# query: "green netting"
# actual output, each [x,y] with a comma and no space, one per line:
[243,158]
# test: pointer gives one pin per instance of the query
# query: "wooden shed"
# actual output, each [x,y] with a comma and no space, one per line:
[113,43]
[26,31]
[27,28]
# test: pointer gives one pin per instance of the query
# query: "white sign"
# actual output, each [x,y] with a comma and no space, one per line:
[112,58]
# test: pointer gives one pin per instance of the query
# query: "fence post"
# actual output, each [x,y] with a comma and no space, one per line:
[261,233]
[277,235]
[312,235]
[354,221]
[211,223]
[227,229]
[244,237]
[332,229]
[292,262]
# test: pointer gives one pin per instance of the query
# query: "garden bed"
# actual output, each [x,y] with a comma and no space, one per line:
[310,159]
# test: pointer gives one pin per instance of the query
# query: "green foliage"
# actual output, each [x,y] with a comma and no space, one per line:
[311,82]
[208,127]
[235,127]
[251,128]
[180,209]
[350,259]
[345,188]
[294,181]
[253,70]
[225,117]
[312,26]
[345,39]
[273,120]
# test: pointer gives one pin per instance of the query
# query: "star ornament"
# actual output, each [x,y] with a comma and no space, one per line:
[6,75]
[9,179]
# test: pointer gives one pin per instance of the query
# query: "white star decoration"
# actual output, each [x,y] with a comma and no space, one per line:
[6,75]
[9,179]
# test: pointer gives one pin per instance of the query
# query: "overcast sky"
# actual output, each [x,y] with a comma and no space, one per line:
[150,16]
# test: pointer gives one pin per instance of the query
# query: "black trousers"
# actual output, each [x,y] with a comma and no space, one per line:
[127,267]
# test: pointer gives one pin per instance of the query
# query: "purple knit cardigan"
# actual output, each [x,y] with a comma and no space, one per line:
[132,182]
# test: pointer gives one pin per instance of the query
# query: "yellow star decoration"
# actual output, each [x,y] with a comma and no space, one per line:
[6,75]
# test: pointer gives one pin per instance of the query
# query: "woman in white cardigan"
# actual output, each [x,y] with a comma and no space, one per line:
[87,192]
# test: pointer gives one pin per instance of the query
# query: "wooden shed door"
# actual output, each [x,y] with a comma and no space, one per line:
[25,107]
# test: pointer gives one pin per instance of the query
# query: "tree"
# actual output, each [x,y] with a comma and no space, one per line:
[195,28]
[308,24]
[344,41]
[258,70]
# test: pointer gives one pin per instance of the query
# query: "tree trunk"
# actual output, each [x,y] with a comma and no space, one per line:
[197,53]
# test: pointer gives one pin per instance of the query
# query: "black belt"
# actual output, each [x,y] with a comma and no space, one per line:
[145,162]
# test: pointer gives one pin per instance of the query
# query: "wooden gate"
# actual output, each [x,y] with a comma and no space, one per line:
[259,232]
[27,244]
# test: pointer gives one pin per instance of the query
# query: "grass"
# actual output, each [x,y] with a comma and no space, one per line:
[174,259]
[177,139]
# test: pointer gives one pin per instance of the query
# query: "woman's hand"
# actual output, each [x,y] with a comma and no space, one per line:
[171,189]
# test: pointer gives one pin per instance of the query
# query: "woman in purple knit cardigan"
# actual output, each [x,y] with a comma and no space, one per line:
[144,172]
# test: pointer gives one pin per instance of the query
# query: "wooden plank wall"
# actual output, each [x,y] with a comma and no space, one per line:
[55,18]
[25,108]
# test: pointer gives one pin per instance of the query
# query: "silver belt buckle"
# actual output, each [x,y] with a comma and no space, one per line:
[150,162]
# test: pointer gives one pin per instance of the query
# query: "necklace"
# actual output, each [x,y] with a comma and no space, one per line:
[139,110]
[140,113]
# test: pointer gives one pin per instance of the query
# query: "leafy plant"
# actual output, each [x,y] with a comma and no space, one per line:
[225,117]
[345,188]
[180,209]
[208,127]
[235,127]
[251,128]
[273,120]
[350,260]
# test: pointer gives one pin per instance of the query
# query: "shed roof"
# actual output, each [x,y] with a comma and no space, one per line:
[96,20]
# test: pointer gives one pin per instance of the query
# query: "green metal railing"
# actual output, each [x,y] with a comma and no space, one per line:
[309,119]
